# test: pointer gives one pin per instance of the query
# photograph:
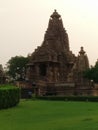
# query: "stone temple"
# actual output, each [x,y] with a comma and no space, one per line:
[53,69]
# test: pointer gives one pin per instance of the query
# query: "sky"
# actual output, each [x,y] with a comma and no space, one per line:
[23,24]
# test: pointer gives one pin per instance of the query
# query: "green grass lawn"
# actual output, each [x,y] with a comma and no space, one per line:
[50,115]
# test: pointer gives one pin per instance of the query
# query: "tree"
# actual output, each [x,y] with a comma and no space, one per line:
[92,73]
[16,67]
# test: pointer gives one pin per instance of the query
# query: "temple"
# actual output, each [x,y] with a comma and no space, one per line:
[53,69]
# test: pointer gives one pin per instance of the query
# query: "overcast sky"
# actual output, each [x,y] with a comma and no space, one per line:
[23,24]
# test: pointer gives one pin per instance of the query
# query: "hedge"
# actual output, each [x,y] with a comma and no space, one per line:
[69,98]
[9,96]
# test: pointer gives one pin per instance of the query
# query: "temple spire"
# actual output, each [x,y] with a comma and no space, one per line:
[56,35]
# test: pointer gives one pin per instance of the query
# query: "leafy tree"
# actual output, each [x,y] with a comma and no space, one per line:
[92,73]
[16,67]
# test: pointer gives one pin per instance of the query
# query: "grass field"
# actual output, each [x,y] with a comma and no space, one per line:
[50,115]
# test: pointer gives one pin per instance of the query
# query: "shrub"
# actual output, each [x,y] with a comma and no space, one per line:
[69,98]
[9,96]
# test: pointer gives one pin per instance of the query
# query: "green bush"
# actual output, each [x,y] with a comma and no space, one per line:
[69,98]
[9,96]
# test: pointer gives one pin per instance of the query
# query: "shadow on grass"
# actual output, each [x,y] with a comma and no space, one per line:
[87,119]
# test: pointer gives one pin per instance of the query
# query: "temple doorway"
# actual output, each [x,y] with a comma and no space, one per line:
[42,69]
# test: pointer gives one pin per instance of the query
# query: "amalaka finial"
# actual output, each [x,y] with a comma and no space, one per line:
[82,50]
[55,14]
[55,10]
